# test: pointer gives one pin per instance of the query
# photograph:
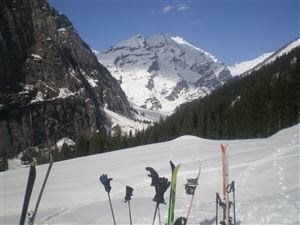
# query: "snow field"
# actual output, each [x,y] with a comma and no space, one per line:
[266,172]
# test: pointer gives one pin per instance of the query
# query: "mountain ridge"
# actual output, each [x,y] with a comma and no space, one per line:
[241,67]
[272,57]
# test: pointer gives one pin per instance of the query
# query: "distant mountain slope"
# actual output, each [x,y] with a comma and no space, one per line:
[51,84]
[247,67]
[241,67]
[253,106]
[284,50]
[161,72]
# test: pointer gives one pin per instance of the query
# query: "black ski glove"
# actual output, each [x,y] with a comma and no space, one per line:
[161,188]
[129,191]
[154,175]
[106,182]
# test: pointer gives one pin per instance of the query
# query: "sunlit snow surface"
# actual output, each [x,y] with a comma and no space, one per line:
[241,67]
[266,172]
[265,59]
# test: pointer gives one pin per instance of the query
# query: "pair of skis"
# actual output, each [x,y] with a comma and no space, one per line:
[29,188]
[190,187]
[171,210]
[227,189]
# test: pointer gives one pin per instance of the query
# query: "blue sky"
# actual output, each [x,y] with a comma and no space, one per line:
[232,30]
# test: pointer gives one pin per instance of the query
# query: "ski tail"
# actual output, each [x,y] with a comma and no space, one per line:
[171,209]
[32,217]
[29,188]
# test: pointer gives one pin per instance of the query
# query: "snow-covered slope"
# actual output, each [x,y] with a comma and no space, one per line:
[241,67]
[125,124]
[284,50]
[161,72]
[266,172]
[247,66]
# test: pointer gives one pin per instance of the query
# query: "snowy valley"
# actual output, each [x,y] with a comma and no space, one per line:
[265,171]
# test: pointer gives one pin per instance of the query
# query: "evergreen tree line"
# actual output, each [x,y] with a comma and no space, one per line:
[253,106]
[99,142]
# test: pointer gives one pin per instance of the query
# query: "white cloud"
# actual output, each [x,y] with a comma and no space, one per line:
[178,8]
[168,8]
[182,7]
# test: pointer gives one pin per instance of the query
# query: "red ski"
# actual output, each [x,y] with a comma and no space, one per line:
[226,216]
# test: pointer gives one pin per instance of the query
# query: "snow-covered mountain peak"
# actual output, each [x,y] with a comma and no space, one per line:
[161,72]
[181,41]
[161,39]
[137,41]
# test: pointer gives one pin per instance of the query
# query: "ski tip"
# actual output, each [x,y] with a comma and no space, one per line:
[172,166]
[33,162]
[224,147]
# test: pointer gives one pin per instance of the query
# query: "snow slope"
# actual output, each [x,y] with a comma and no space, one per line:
[266,172]
[241,67]
[264,59]
[284,50]
[124,123]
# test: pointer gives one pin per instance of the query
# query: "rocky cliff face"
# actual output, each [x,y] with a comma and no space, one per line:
[51,84]
[161,72]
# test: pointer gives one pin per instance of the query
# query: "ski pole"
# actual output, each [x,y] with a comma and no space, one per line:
[231,188]
[32,218]
[30,183]
[217,207]
[111,208]
[156,207]
[159,219]
[233,193]
[128,195]
[129,213]
[106,183]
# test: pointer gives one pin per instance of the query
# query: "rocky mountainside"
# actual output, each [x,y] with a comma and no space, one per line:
[161,72]
[51,84]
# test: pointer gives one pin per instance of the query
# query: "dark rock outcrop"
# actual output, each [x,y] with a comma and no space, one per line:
[51,84]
